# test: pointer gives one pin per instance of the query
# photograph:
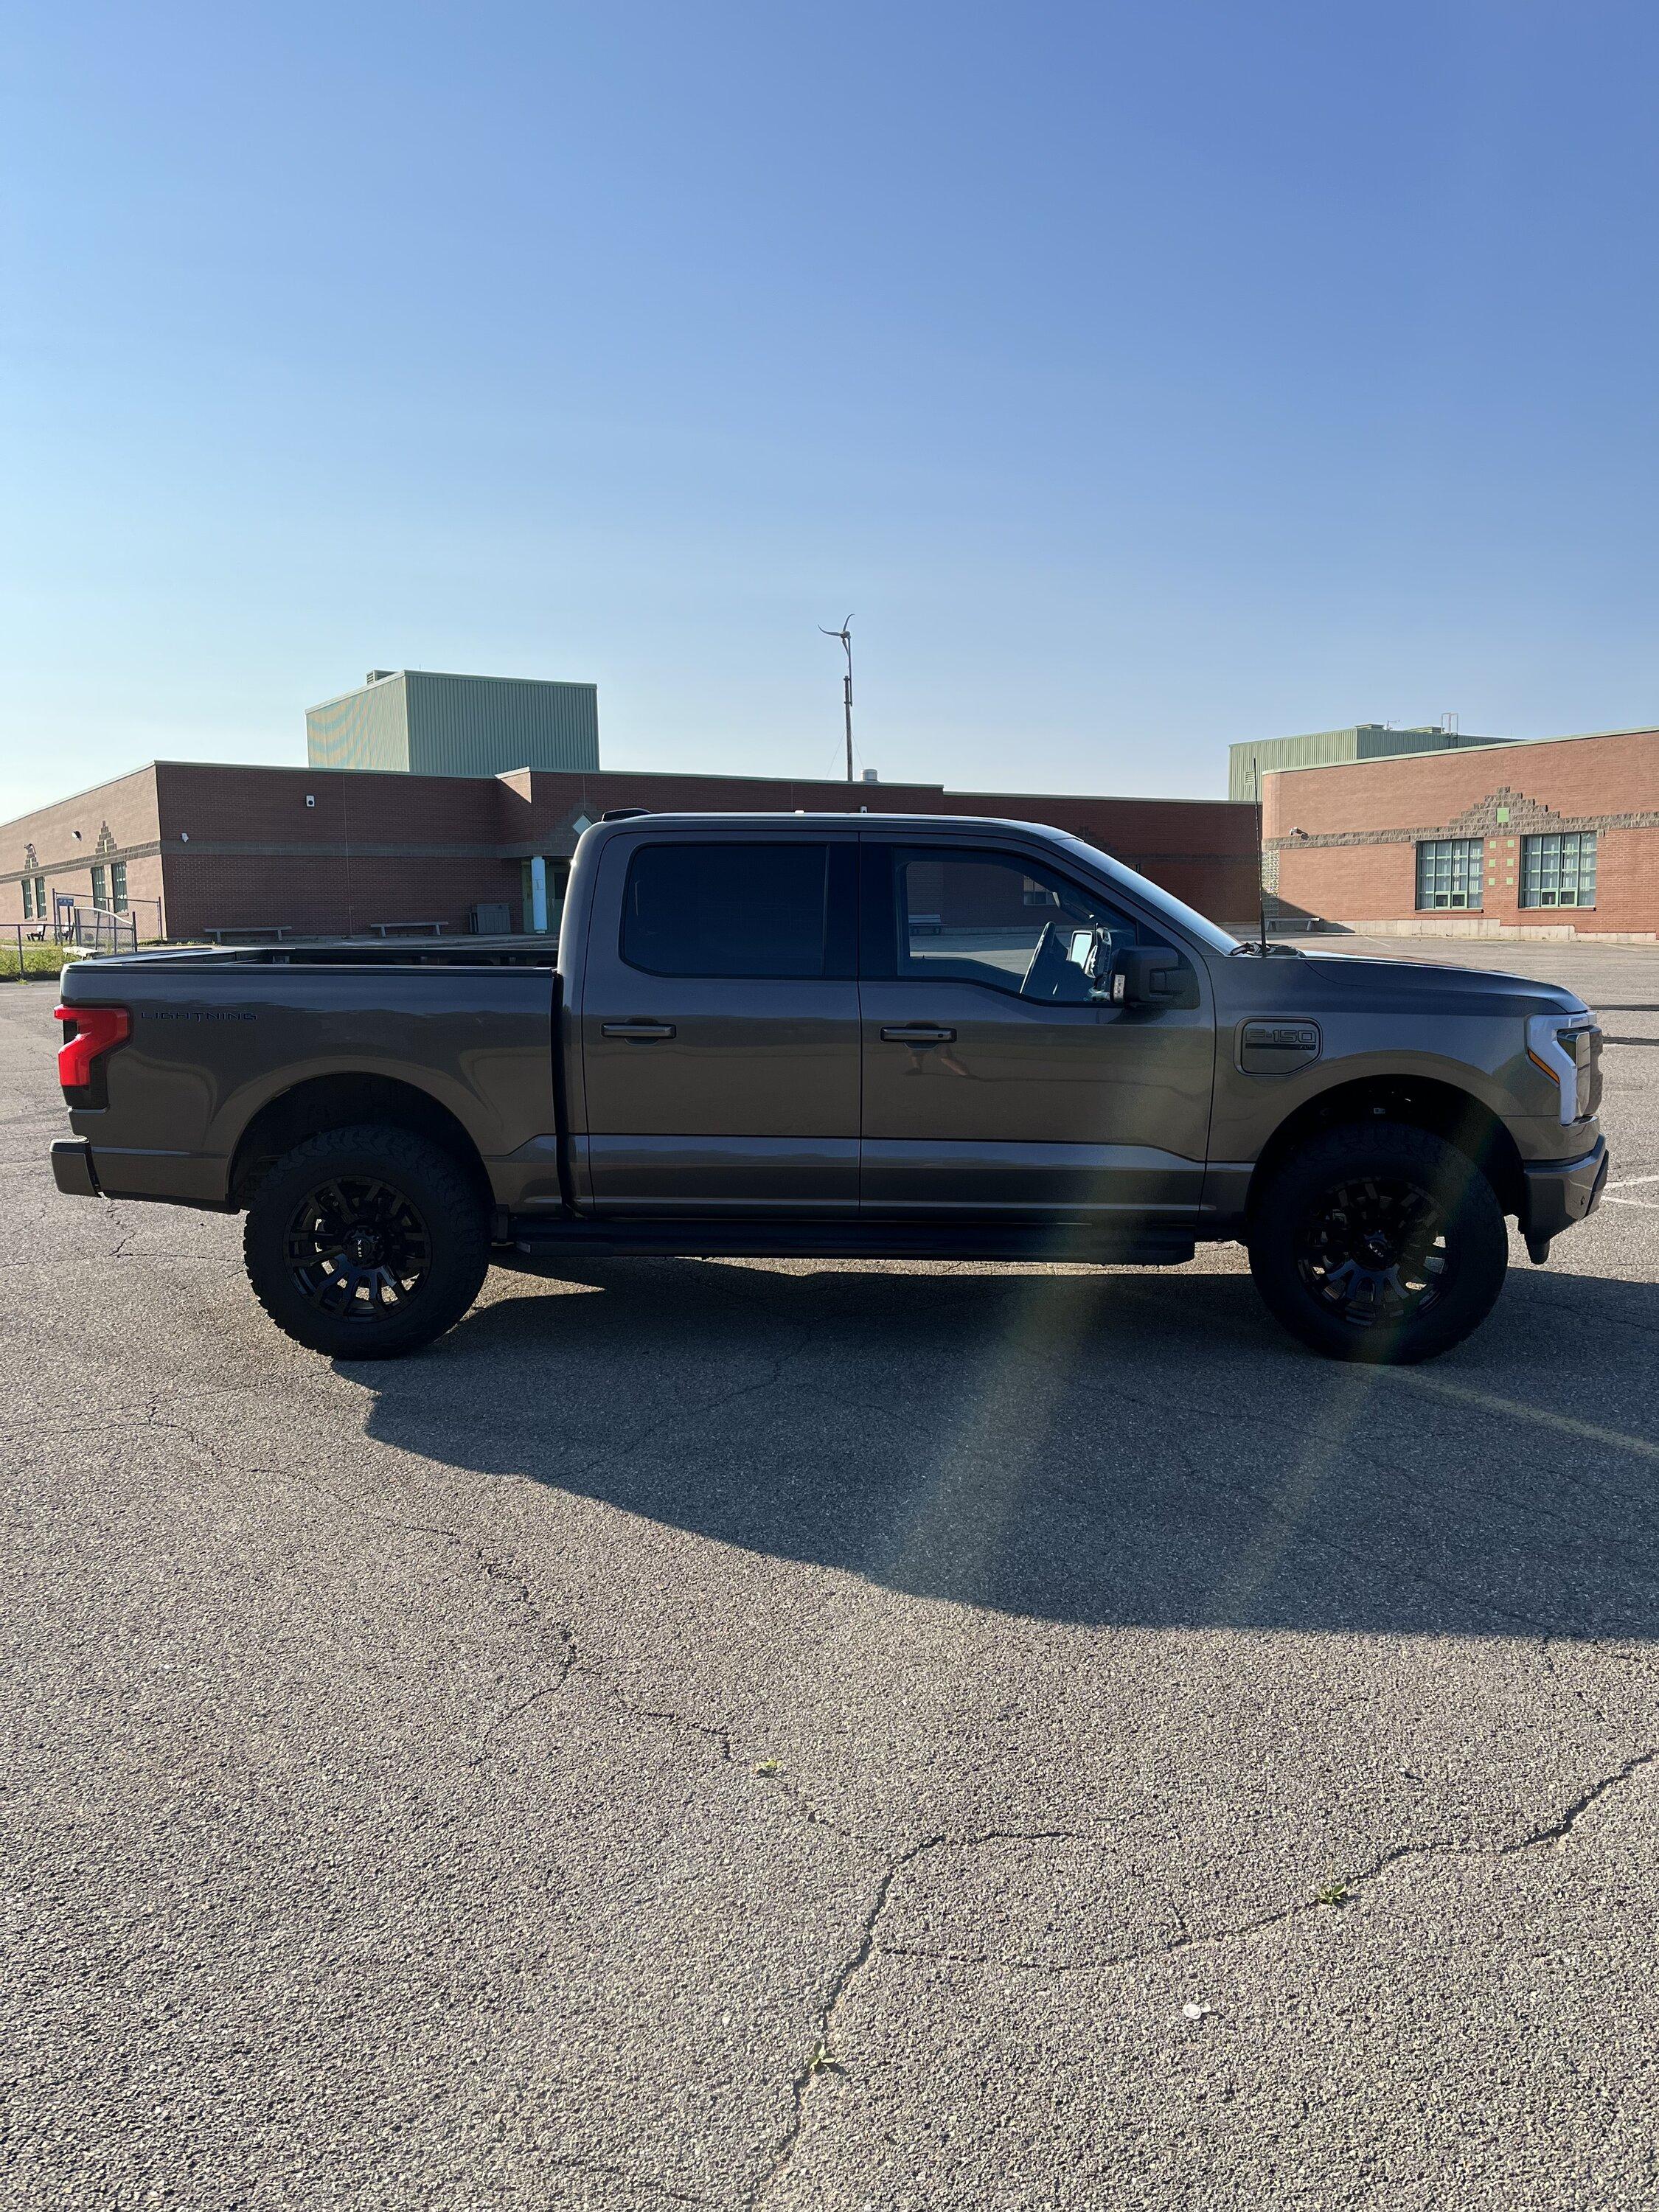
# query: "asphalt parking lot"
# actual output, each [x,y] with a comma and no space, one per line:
[804,1735]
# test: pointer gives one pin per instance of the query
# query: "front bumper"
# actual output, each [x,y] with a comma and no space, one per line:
[1558,1193]
[71,1167]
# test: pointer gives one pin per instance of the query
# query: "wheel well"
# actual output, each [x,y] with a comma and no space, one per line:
[336,1102]
[1440,1108]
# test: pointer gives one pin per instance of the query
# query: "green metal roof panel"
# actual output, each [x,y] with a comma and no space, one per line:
[365,729]
[488,725]
[1327,748]
[424,722]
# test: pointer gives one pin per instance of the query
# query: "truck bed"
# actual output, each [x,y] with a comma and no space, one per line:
[227,1048]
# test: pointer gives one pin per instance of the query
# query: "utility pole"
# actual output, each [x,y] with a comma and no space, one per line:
[845,633]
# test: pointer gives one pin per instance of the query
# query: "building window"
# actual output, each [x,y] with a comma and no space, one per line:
[118,885]
[28,899]
[1559,871]
[39,898]
[1448,871]
[100,888]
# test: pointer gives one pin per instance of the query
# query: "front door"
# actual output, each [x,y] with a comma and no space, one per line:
[999,1079]
[719,1025]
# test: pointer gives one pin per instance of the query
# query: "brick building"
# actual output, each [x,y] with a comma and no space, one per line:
[187,847]
[1560,835]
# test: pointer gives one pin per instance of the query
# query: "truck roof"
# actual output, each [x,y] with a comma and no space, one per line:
[825,819]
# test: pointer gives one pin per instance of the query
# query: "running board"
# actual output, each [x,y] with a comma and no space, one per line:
[542,1243]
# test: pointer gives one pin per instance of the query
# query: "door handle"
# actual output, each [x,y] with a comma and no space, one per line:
[641,1032]
[919,1033]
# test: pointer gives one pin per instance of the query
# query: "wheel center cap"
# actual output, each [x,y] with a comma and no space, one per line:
[363,1246]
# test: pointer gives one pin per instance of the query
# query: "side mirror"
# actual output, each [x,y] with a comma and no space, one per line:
[1150,976]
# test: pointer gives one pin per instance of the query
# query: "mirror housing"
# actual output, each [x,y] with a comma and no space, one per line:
[1151,976]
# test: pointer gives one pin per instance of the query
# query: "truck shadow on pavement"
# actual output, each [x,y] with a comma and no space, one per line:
[1130,1449]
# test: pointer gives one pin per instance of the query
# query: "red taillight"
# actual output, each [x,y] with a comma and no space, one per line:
[88,1033]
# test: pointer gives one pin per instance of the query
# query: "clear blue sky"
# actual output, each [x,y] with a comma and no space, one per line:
[1142,376]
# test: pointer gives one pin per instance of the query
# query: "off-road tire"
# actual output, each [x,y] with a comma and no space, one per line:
[1326,1181]
[423,1185]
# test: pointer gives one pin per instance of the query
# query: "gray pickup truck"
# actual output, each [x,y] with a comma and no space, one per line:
[841,1037]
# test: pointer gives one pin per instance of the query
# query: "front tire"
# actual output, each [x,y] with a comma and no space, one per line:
[1379,1242]
[366,1243]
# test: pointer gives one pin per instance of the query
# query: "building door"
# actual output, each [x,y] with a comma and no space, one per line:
[996,1081]
[542,885]
[719,1025]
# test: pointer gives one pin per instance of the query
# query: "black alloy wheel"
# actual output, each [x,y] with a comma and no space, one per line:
[1374,1252]
[358,1249]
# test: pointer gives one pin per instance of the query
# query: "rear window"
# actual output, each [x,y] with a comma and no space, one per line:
[740,908]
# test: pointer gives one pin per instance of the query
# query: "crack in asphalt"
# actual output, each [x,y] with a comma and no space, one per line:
[1352,1884]
[822,2060]
[719,1735]
[501,1576]
[573,1662]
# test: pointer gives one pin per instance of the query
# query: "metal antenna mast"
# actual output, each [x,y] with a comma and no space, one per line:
[845,633]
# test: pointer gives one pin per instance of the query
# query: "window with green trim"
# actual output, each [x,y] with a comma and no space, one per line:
[1558,870]
[1448,871]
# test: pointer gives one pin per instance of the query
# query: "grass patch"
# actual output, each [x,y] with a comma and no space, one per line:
[45,960]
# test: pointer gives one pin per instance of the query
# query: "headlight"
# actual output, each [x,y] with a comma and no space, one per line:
[1567,1047]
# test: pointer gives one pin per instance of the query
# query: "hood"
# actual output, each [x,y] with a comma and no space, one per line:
[1333,979]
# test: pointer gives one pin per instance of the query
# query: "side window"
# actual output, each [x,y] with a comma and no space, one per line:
[976,916]
[718,908]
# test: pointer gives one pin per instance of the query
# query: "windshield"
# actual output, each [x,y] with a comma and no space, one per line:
[1208,933]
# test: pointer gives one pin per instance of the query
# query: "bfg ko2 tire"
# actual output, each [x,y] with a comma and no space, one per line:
[366,1243]
[1379,1242]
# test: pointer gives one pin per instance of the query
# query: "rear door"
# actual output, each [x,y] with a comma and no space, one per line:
[999,1079]
[719,1026]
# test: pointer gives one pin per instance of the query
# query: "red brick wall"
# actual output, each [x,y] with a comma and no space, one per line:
[244,850]
[1203,850]
[127,808]
[1357,861]
[331,896]
[238,847]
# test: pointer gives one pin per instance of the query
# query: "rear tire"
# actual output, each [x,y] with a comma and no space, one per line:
[1379,1242]
[366,1243]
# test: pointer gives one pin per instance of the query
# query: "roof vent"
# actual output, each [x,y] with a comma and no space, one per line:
[870,776]
[378,675]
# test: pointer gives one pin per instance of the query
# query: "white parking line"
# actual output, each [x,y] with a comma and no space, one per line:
[1647,1205]
[1628,1182]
